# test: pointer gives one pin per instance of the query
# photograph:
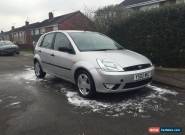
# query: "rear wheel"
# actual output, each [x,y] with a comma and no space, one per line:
[85,84]
[38,70]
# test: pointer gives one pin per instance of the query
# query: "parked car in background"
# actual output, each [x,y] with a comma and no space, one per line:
[92,61]
[8,48]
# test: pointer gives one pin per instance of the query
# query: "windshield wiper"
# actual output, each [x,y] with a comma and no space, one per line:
[103,49]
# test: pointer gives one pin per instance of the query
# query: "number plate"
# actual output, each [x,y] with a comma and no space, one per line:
[142,76]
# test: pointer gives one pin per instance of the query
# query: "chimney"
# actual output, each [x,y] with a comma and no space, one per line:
[26,23]
[50,15]
[13,27]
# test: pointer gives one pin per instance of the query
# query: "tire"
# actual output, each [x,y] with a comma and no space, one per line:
[85,84]
[38,70]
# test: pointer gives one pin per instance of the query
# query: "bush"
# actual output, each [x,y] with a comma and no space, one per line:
[107,16]
[159,34]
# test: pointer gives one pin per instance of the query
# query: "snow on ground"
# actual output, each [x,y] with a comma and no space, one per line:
[14,103]
[132,106]
[28,75]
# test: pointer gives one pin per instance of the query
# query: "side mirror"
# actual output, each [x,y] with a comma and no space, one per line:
[66,49]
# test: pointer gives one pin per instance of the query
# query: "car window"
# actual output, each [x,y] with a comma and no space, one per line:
[91,41]
[48,40]
[61,41]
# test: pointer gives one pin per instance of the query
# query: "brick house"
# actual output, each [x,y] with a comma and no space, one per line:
[30,33]
[148,4]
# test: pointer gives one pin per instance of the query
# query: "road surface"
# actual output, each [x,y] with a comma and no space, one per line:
[51,106]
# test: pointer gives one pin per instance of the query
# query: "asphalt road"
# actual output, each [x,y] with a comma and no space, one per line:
[29,106]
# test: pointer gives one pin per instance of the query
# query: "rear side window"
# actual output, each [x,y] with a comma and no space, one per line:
[47,41]
[61,41]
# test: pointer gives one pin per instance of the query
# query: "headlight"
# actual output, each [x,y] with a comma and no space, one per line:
[109,66]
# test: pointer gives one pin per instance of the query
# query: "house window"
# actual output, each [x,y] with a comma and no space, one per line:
[32,32]
[55,28]
[37,32]
[42,30]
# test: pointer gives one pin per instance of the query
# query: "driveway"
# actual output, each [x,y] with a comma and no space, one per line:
[30,106]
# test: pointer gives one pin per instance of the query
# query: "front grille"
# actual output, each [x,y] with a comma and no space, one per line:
[137,67]
[137,84]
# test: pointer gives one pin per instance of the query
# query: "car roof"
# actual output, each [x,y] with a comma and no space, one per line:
[69,31]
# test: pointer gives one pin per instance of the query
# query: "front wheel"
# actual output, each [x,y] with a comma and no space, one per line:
[85,84]
[38,70]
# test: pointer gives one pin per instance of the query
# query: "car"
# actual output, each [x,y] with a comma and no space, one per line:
[8,48]
[92,61]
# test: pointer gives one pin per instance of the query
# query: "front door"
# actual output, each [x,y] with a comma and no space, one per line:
[64,56]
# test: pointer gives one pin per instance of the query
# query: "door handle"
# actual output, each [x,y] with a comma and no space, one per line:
[52,55]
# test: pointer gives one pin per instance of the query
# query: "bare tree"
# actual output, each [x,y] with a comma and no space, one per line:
[110,15]
[89,12]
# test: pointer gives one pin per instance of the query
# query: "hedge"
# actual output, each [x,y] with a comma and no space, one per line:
[159,34]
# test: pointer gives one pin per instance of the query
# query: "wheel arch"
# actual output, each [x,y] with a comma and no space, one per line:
[77,70]
[37,58]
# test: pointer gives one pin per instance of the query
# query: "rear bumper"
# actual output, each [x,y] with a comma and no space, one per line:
[123,81]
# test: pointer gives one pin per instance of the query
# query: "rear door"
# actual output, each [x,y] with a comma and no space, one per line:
[46,52]
[64,56]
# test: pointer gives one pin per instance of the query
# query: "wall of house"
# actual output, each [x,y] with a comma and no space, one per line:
[77,22]
[18,37]
[37,32]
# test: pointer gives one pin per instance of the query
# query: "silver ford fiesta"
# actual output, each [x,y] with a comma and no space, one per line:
[92,61]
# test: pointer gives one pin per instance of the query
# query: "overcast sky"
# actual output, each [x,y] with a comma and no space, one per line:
[16,12]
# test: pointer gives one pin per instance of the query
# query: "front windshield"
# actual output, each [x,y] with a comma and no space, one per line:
[91,41]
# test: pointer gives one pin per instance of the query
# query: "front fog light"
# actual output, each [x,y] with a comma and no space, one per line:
[109,85]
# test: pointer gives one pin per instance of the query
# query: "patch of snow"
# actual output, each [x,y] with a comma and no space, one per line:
[180,104]
[162,91]
[11,97]
[14,103]
[28,75]
[132,106]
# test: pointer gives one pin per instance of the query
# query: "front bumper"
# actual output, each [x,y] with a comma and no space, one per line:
[124,81]
[9,51]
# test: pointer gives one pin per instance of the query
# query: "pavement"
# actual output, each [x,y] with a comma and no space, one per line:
[51,106]
[170,76]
